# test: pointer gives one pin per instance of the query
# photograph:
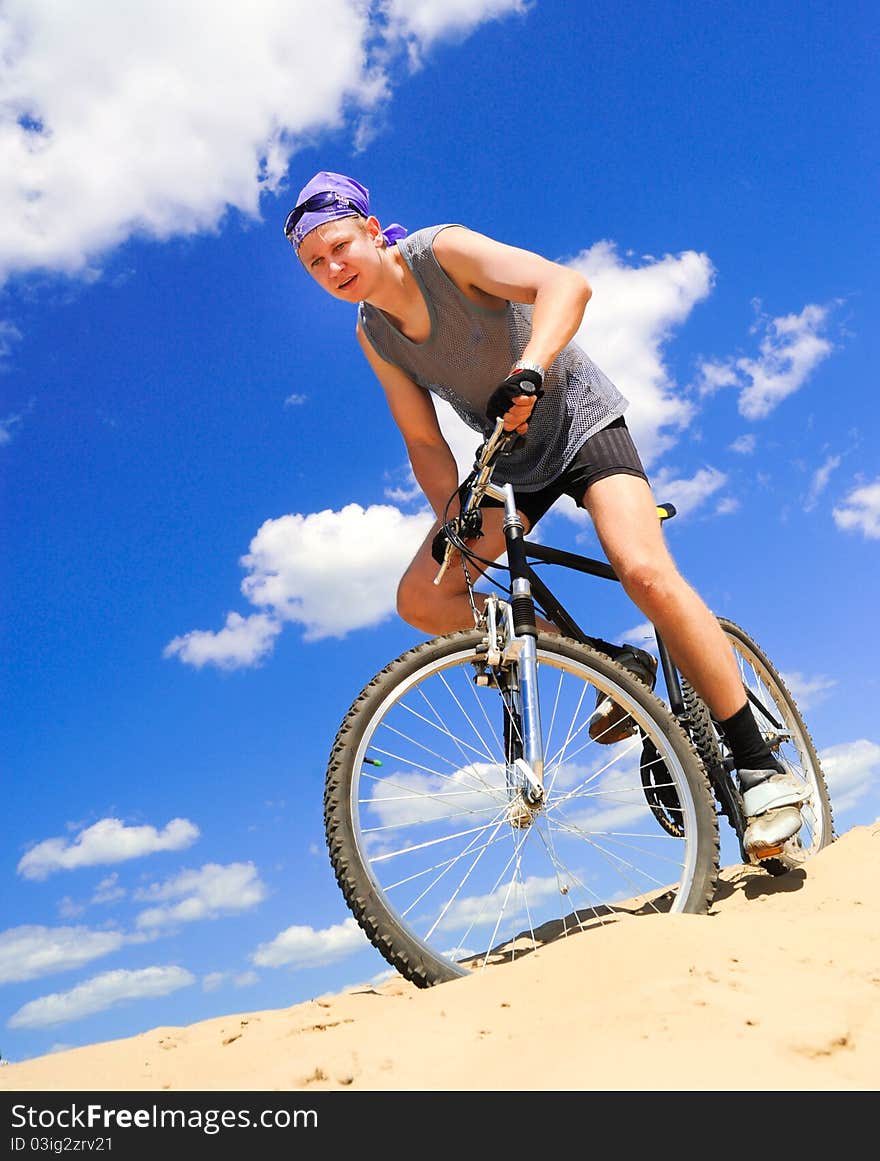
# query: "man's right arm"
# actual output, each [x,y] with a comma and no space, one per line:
[412,409]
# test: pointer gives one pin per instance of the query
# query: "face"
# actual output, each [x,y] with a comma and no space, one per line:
[344,257]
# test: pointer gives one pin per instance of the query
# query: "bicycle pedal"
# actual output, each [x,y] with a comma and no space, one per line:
[759,853]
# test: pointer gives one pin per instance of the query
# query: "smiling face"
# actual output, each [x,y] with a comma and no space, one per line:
[344,257]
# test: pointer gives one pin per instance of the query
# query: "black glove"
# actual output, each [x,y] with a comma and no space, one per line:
[471,528]
[519,383]
[438,545]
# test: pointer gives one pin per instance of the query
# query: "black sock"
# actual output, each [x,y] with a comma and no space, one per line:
[750,751]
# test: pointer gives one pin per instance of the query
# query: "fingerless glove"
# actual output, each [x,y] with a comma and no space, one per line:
[521,382]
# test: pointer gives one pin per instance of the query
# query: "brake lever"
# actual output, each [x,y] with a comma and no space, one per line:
[447,557]
[498,442]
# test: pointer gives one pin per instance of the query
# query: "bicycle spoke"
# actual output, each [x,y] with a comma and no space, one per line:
[466,867]
[780,722]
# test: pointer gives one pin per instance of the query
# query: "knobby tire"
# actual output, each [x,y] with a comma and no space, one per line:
[440,863]
[797,753]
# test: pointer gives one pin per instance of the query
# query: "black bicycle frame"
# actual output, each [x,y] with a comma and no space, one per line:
[556,612]
[521,573]
[560,616]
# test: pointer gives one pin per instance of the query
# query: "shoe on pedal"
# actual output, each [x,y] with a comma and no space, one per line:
[609,722]
[771,804]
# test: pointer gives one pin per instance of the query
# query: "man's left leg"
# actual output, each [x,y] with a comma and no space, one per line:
[623,510]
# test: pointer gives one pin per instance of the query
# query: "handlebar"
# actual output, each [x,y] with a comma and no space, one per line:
[525,382]
[499,442]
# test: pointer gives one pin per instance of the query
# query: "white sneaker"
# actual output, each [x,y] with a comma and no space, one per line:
[772,808]
[771,792]
[767,834]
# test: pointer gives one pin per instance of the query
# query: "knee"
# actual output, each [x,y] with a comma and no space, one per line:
[413,605]
[648,581]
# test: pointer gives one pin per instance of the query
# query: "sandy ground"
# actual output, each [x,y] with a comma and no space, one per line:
[777,988]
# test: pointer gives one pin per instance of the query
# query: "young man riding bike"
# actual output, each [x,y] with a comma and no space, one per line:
[489,327]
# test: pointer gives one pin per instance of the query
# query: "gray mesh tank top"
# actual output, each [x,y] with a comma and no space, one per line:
[471,349]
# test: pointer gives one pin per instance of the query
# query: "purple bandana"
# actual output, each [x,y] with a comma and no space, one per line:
[352,199]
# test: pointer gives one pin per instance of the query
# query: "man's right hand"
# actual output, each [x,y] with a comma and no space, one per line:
[438,545]
[515,399]
[469,528]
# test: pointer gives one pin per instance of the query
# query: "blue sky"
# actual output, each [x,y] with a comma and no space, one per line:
[205,504]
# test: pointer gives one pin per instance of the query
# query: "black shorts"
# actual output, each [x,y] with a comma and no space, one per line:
[610,452]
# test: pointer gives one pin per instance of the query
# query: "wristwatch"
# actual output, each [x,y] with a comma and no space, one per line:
[523,366]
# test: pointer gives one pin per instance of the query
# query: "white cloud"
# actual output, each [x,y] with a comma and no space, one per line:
[9,424]
[714,375]
[641,634]
[402,486]
[69,908]
[791,349]
[514,899]
[31,950]
[687,494]
[426,21]
[213,981]
[807,691]
[632,314]
[207,893]
[108,890]
[851,770]
[463,440]
[330,572]
[98,994]
[744,445]
[107,841]
[155,117]
[819,482]
[7,428]
[9,336]
[860,511]
[105,133]
[409,798]
[243,641]
[306,947]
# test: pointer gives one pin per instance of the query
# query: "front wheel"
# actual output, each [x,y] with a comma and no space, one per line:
[443,861]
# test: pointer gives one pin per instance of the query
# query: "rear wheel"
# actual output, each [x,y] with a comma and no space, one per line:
[442,859]
[785,732]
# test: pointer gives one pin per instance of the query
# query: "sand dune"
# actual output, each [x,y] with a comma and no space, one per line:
[778,988]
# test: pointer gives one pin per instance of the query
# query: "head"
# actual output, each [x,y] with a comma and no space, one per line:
[345,256]
[335,236]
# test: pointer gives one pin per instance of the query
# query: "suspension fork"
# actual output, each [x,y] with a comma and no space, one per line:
[524,641]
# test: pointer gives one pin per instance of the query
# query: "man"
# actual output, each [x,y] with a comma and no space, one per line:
[486,326]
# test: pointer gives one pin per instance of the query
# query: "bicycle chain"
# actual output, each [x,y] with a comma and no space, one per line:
[470,589]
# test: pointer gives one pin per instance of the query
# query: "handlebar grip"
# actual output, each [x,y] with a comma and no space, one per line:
[521,383]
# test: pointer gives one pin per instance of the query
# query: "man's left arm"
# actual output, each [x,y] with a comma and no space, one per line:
[559,295]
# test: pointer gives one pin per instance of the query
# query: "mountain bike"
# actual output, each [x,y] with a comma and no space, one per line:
[470,816]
